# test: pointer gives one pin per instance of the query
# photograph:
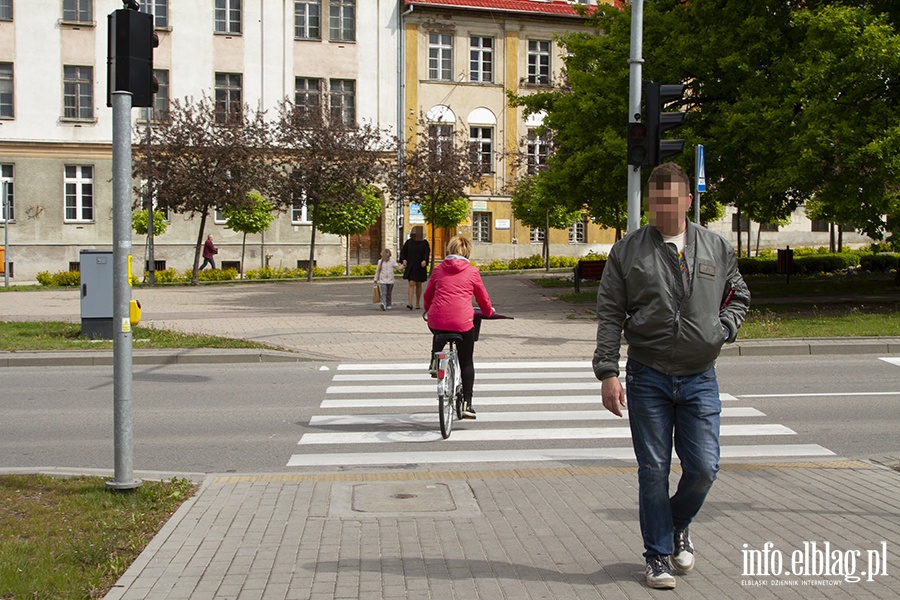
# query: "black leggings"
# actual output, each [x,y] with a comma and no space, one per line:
[465,350]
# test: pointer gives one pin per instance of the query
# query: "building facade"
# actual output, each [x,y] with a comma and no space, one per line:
[387,62]
[56,128]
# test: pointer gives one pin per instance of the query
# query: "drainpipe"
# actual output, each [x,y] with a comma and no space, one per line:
[401,127]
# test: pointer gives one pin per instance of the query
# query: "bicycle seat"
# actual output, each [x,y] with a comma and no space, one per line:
[443,338]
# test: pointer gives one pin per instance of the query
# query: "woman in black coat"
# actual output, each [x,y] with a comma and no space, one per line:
[414,258]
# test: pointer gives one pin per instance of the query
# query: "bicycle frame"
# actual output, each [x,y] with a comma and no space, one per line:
[449,383]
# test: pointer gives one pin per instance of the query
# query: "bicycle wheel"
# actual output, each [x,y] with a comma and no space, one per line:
[446,397]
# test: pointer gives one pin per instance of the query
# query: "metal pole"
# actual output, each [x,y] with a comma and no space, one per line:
[122,340]
[5,191]
[151,263]
[634,110]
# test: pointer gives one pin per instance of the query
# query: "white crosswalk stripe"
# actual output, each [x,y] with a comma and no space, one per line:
[565,393]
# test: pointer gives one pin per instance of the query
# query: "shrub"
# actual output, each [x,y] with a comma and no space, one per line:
[62,279]
[275,273]
[881,262]
[360,270]
[824,263]
[215,275]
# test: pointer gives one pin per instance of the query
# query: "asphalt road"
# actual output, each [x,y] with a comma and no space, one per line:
[261,417]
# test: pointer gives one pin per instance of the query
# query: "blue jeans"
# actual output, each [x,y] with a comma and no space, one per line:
[660,406]
[387,290]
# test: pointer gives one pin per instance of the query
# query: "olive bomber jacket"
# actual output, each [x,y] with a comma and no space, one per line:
[671,326]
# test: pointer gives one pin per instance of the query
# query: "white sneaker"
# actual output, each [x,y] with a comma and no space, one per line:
[683,557]
[659,573]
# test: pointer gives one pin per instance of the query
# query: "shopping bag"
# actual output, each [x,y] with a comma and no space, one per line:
[376,294]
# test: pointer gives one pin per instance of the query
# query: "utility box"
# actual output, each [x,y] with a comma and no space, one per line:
[97,294]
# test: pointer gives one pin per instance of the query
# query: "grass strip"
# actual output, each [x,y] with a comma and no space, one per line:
[21,336]
[72,538]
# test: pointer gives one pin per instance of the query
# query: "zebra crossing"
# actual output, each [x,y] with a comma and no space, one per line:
[386,414]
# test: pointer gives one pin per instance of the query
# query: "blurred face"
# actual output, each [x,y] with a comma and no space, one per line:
[668,203]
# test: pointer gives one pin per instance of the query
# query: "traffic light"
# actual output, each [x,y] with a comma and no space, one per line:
[658,122]
[638,144]
[130,58]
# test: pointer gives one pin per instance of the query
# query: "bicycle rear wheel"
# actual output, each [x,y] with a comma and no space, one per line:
[446,396]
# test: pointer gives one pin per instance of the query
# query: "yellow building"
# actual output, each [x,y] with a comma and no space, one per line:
[461,57]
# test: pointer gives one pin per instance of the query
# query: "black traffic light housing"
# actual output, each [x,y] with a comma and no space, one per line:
[658,122]
[130,57]
[639,141]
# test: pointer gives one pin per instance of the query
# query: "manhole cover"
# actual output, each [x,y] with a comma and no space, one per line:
[402,496]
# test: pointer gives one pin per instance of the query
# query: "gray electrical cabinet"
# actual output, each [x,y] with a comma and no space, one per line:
[97,294]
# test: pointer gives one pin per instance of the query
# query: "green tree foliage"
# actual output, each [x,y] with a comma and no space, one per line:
[792,99]
[253,217]
[537,208]
[351,218]
[140,220]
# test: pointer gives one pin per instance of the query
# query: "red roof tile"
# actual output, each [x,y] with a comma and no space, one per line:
[548,7]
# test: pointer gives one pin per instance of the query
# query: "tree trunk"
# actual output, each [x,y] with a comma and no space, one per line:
[243,246]
[738,213]
[195,275]
[547,241]
[312,248]
[347,257]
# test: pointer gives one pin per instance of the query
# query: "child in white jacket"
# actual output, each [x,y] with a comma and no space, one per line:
[384,277]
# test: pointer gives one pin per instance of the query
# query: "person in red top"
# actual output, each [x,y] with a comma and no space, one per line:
[448,304]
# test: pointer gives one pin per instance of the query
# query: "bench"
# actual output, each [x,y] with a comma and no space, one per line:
[588,269]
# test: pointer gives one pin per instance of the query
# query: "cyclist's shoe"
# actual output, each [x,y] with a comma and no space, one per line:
[468,412]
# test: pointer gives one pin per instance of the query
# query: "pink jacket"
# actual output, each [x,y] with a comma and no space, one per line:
[448,297]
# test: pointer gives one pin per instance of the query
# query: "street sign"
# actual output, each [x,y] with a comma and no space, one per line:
[701,170]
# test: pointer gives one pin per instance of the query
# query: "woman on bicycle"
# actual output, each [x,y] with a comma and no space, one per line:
[448,304]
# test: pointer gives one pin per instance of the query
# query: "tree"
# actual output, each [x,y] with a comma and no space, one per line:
[436,172]
[205,158]
[350,218]
[254,217]
[327,163]
[140,222]
[536,208]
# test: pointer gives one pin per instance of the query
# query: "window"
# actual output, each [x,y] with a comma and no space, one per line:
[78,11]
[78,92]
[159,9]
[481,227]
[161,100]
[308,96]
[818,225]
[342,101]
[306,19]
[298,212]
[7,194]
[440,137]
[481,143]
[440,57]
[538,62]
[537,152]
[481,59]
[742,225]
[342,25]
[79,186]
[536,236]
[768,227]
[228,16]
[577,231]
[228,96]
[7,108]
[5,10]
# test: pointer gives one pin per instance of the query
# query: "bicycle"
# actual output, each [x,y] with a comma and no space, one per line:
[449,374]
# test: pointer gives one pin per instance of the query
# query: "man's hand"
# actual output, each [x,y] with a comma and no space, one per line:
[613,395]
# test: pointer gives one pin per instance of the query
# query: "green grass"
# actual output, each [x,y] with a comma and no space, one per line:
[816,306]
[73,538]
[53,335]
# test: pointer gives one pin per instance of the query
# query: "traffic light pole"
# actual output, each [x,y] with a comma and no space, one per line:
[122,338]
[635,61]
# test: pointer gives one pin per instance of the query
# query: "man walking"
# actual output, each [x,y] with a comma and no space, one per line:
[675,290]
[209,253]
